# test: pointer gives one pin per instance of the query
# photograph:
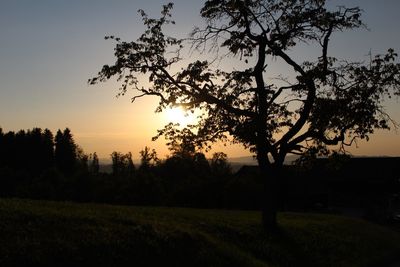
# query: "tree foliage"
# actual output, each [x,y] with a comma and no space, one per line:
[328,102]
[148,158]
[65,150]
[94,166]
[122,164]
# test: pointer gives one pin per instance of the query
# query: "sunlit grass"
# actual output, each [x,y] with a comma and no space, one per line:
[40,233]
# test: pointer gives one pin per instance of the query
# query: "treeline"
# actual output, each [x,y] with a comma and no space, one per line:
[35,151]
[37,164]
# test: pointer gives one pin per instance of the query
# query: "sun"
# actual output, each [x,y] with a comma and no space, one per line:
[178,115]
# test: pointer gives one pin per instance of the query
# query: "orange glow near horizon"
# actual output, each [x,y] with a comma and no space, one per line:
[37,91]
[178,115]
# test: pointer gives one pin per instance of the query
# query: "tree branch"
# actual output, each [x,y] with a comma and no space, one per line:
[203,96]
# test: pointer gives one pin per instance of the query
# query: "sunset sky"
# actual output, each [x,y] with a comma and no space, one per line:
[50,48]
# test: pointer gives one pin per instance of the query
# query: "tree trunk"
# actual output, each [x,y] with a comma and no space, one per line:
[269,200]
[270,174]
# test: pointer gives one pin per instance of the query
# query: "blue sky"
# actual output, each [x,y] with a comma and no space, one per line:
[49,48]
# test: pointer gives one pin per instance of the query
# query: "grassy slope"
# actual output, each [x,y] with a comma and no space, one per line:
[40,233]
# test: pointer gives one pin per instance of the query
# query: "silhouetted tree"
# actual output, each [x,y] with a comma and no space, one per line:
[33,149]
[94,164]
[148,158]
[219,164]
[82,159]
[22,146]
[327,101]
[59,148]
[181,142]
[47,149]
[1,147]
[122,164]
[65,151]
[201,164]
[9,151]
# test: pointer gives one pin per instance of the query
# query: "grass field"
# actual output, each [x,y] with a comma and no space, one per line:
[41,233]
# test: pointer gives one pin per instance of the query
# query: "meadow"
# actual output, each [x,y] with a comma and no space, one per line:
[45,233]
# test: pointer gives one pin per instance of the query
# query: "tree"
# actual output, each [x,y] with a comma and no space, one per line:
[148,158]
[2,144]
[122,164]
[47,149]
[33,147]
[219,164]
[31,150]
[94,164]
[327,102]
[65,153]
[81,159]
